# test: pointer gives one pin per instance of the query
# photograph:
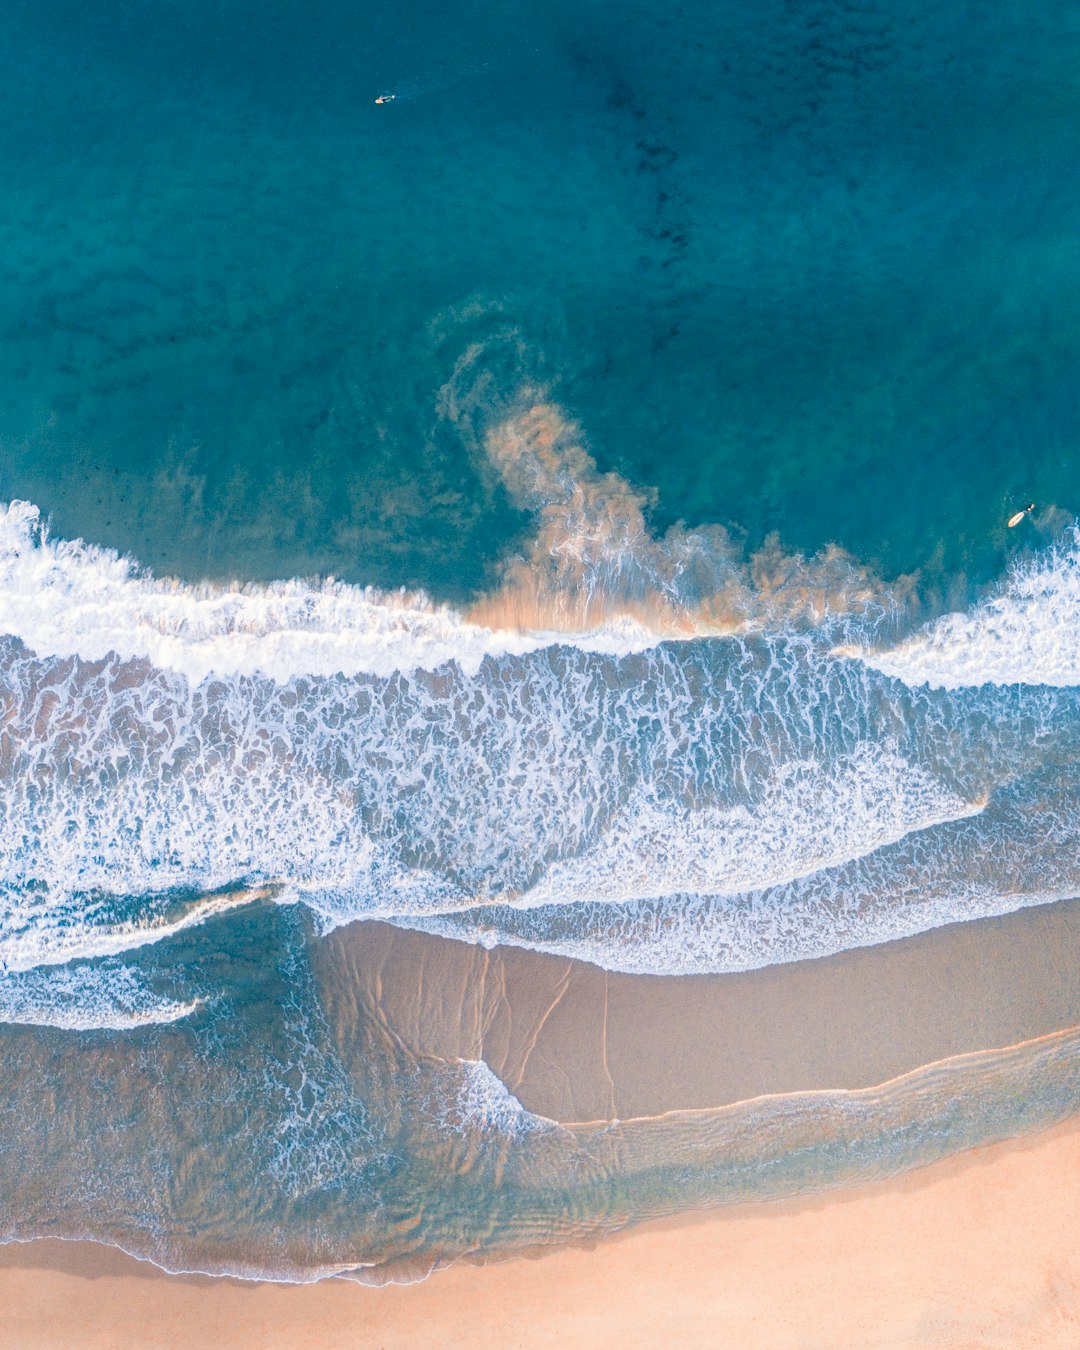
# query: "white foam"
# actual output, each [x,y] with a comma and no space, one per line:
[558,777]
[807,817]
[552,778]
[33,936]
[87,998]
[66,598]
[1028,634]
[1020,850]
[478,1100]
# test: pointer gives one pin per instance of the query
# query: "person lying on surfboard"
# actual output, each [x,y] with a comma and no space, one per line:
[1015,520]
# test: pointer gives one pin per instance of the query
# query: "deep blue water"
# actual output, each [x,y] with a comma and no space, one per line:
[804,268]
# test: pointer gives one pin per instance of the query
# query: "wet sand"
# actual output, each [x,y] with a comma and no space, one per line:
[576,1043]
[977,1252]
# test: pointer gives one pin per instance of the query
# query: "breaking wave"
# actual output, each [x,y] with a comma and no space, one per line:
[1019,850]
[551,769]
[1027,634]
[672,783]
[593,574]
[805,820]
[72,599]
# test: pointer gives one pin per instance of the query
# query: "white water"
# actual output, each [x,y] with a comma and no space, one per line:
[87,998]
[680,807]
[558,777]
[35,935]
[66,598]
[805,819]
[70,598]
[1028,634]
[474,1098]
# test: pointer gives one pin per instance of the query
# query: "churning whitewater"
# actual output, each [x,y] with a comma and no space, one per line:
[712,803]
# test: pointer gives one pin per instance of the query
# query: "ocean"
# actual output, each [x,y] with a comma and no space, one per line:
[561,506]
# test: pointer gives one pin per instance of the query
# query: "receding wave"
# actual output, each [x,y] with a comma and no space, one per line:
[570,1182]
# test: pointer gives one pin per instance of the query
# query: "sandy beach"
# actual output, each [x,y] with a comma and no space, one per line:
[974,1253]
[539,676]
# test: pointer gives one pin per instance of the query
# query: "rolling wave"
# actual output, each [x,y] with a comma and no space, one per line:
[1019,850]
[803,821]
[66,598]
[560,781]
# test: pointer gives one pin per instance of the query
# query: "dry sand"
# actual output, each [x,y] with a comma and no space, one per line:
[979,1251]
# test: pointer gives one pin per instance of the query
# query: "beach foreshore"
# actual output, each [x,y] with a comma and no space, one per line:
[975,1252]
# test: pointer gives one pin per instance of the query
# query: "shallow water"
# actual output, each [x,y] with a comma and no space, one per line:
[657,393]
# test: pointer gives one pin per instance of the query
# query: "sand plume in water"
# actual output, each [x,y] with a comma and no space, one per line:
[593,559]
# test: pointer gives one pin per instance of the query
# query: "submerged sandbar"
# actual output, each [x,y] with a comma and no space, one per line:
[576,1043]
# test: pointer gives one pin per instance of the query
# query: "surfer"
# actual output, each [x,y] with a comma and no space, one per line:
[386,98]
[1016,519]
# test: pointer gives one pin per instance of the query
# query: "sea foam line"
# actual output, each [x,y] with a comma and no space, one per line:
[584,584]
[88,997]
[70,598]
[90,1019]
[806,820]
[55,943]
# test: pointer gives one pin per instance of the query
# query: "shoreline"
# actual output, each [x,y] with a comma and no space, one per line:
[720,1132]
[972,1251]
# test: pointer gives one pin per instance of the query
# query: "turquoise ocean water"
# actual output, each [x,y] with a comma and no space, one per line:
[683,365]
